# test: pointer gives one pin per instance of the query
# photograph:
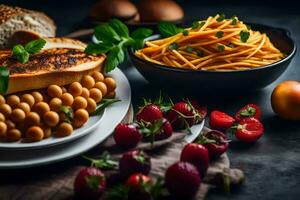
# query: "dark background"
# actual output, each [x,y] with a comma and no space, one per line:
[272,165]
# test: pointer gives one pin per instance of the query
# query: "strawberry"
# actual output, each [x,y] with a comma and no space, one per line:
[90,183]
[250,110]
[248,130]
[159,130]
[202,110]
[139,187]
[220,121]
[127,135]
[197,155]
[149,113]
[183,115]
[135,161]
[182,179]
[215,142]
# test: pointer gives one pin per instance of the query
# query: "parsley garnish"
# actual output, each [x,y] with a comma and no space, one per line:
[221,48]
[189,49]
[196,24]
[68,113]
[167,29]
[221,17]
[113,39]
[185,32]
[219,34]
[173,46]
[234,20]
[244,36]
[231,45]
[22,53]
[199,53]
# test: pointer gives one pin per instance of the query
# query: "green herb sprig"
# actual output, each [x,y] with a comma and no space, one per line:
[167,29]
[22,53]
[244,36]
[114,38]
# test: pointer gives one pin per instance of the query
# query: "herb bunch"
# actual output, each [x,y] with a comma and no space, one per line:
[114,38]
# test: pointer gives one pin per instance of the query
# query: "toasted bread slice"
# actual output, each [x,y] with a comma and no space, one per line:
[61,62]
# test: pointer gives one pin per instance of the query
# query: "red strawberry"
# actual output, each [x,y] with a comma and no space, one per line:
[215,142]
[159,130]
[182,180]
[139,187]
[135,161]
[127,135]
[197,155]
[249,130]
[250,110]
[90,183]
[183,115]
[149,113]
[220,121]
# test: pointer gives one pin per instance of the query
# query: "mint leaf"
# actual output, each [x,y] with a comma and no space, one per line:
[199,53]
[106,33]
[219,34]
[4,78]
[97,48]
[114,58]
[141,33]
[244,36]
[138,44]
[35,46]
[20,53]
[120,28]
[168,29]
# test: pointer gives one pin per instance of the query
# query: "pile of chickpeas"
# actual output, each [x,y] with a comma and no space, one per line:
[37,115]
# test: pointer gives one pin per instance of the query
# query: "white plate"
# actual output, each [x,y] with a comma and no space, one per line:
[196,130]
[113,115]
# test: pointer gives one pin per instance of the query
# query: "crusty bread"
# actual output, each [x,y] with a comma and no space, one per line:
[14,18]
[61,62]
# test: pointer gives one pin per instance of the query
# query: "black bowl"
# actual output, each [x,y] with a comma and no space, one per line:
[249,79]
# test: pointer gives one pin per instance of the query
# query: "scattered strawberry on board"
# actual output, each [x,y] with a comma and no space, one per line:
[156,121]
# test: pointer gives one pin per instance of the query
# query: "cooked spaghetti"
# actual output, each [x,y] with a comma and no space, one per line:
[216,44]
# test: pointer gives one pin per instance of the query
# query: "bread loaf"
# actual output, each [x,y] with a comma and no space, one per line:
[13,19]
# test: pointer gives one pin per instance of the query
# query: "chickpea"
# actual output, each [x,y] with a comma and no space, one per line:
[2,100]
[38,97]
[3,129]
[75,89]
[110,84]
[34,133]
[77,124]
[88,81]
[10,124]
[29,99]
[67,99]
[47,131]
[32,118]
[2,117]
[81,115]
[79,102]
[64,129]
[41,108]
[96,94]
[5,109]
[51,118]
[17,115]
[55,104]
[102,87]
[91,105]
[54,91]
[85,93]
[98,76]
[13,101]
[24,106]
[13,135]
[111,95]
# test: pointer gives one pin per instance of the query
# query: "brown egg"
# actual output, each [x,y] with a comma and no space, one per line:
[159,10]
[104,10]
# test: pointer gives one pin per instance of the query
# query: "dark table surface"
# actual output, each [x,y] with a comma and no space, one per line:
[272,165]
